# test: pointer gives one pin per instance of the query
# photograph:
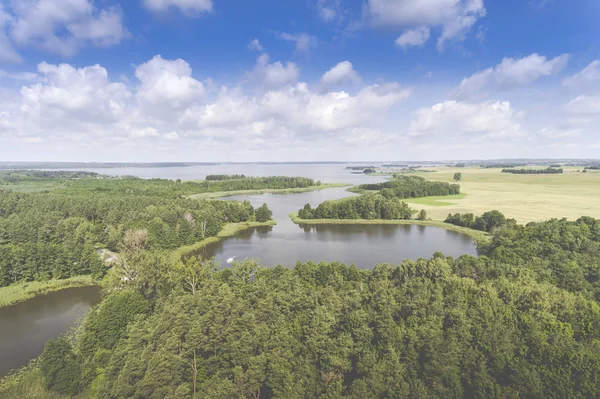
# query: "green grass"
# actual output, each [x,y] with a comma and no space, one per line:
[437,200]
[221,194]
[526,198]
[229,230]
[476,235]
[22,291]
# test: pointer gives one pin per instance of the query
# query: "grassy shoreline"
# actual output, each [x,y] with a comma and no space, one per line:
[229,230]
[478,236]
[283,191]
[23,291]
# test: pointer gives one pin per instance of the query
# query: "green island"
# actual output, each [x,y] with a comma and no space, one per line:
[521,319]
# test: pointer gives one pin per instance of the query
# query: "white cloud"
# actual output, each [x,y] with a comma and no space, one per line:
[584,105]
[329,10]
[303,41]
[274,74]
[343,72]
[25,76]
[172,136]
[65,26]
[186,6]
[167,85]
[255,45]
[68,93]
[454,17]
[558,133]
[486,119]
[511,73]
[413,37]
[7,52]
[34,140]
[590,75]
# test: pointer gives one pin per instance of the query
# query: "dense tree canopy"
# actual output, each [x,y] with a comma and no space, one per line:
[547,171]
[412,187]
[55,233]
[368,206]
[486,222]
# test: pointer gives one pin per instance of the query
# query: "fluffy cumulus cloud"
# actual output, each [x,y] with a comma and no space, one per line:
[7,51]
[586,78]
[413,37]
[481,120]
[83,112]
[329,10]
[273,74]
[303,41]
[453,17]
[255,45]
[186,6]
[167,85]
[63,26]
[343,72]
[512,73]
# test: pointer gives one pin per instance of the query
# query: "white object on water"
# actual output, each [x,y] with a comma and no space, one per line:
[230,260]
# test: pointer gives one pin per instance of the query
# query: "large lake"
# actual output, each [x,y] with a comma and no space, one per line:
[25,328]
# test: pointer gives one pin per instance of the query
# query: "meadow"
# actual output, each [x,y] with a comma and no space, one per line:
[526,198]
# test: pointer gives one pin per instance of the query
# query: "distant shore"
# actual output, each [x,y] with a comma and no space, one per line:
[220,194]
[480,237]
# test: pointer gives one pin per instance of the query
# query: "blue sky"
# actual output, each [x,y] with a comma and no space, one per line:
[210,80]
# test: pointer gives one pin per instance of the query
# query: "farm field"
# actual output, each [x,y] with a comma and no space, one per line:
[526,198]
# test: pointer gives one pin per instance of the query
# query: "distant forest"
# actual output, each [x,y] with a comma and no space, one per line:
[547,171]
[412,187]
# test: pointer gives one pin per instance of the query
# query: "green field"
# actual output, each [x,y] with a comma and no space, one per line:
[526,198]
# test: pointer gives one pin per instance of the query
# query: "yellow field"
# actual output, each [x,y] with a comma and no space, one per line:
[526,198]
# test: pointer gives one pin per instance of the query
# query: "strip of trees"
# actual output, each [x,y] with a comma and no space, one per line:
[547,171]
[368,206]
[224,177]
[403,186]
[486,222]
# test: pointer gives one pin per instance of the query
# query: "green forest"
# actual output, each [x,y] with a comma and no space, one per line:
[367,206]
[520,320]
[55,233]
[487,222]
[403,186]
[547,171]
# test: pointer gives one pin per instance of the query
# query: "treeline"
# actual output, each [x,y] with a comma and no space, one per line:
[224,177]
[56,234]
[547,171]
[486,222]
[595,167]
[502,165]
[412,187]
[495,326]
[368,206]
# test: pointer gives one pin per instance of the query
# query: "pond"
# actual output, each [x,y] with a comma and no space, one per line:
[26,326]
[361,245]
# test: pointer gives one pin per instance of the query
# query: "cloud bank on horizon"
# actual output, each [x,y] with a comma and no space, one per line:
[203,80]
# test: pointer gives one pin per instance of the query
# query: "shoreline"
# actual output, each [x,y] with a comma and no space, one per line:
[228,230]
[23,291]
[479,237]
[282,191]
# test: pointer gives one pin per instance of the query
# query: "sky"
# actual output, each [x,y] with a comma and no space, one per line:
[298,80]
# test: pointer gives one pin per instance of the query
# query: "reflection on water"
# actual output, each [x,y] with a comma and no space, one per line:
[25,327]
[361,245]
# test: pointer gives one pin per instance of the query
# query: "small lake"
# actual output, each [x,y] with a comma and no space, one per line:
[361,245]
[26,326]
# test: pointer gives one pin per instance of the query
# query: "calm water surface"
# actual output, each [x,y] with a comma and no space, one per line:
[25,327]
[362,245]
